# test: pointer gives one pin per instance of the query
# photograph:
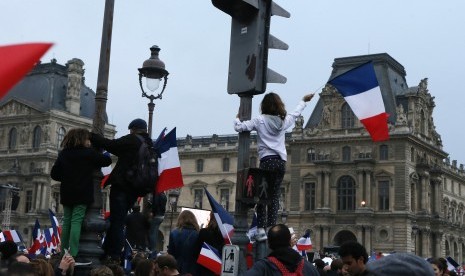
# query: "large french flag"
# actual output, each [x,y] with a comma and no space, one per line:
[210,258]
[361,91]
[223,218]
[169,166]
[304,243]
[17,61]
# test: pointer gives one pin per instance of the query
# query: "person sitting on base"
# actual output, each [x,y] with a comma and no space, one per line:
[283,259]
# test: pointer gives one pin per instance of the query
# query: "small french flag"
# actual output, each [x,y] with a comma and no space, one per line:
[360,89]
[304,243]
[223,218]
[210,258]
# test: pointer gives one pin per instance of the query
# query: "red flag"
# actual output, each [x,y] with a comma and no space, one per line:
[16,61]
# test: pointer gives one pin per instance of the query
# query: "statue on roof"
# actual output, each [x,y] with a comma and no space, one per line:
[423,86]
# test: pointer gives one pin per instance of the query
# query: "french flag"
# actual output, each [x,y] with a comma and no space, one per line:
[12,235]
[55,226]
[38,241]
[361,91]
[51,243]
[169,166]
[304,243]
[210,258]
[17,61]
[223,218]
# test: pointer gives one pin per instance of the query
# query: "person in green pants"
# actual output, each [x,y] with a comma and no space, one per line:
[74,168]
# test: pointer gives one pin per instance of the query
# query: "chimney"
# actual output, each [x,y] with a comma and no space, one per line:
[73,92]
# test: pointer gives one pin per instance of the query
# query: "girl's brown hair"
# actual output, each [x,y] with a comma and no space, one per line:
[187,218]
[212,224]
[273,105]
[42,267]
[75,137]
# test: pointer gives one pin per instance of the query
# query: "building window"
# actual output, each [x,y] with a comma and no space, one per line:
[60,136]
[12,137]
[28,207]
[282,199]
[347,116]
[310,196]
[346,154]
[225,164]
[199,165]
[198,198]
[383,152]
[383,195]
[346,194]
[311,155]
[224,198]
[37,137]
[253,162]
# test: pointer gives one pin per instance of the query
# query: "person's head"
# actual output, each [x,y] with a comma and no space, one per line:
[166,265]
[212,224]
[42,267]
[138,126]
[20,257]
[279,237]
[355,256]
[399,264]
[273,105]
[76,137]
[136,208]
[8,249]
[21,269]
[145,267]
[187,218]
[336,265]
[319,263]
[101,270]
[438,266]
[117,270]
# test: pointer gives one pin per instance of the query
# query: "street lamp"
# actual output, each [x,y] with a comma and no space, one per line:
[153,70]
[363,203]
[173,196]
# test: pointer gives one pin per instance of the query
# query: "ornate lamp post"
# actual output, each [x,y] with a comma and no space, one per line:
[173,196]
[153,70]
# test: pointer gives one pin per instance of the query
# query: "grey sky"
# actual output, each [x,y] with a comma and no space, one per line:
[425,36]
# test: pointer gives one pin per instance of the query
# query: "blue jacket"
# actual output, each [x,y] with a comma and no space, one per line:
[182,246]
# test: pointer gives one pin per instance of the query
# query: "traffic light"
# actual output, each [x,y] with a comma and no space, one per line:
[250,41]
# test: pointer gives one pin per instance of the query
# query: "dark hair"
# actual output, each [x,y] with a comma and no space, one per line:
[144,267]
[116,269]
[354,249]
[166,260]
[336,264]
[273,105]
[75,137]
[279,236]
[21,269]
[42,267]
[212,224]
[8,249]
[319,263]
[439,263]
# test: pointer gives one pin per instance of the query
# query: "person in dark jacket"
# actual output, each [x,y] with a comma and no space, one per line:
[122,198]
[74,168]
[158,215]
[283,259]
[211,235]
[182,243]
[137,227]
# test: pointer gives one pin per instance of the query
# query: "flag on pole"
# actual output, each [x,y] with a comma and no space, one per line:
[169,166]
[50,241]
[127,254]
[2,237]
[451,264]
[304,243]
[38,242]
[210,258]
[56,235]
[360,89]
[17,61]
[223,218]
[12,235]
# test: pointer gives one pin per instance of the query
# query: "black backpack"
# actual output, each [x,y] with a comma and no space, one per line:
[144,173]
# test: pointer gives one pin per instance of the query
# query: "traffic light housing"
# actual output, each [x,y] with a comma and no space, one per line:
[250,41]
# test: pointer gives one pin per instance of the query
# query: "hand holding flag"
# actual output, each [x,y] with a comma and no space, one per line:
[210,258]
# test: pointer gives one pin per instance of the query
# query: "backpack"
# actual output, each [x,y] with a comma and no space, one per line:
[284,271]
[143,175]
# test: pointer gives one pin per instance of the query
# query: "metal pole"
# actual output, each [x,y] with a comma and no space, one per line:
[145,203]
[151,106]
[240,214]
[93,222]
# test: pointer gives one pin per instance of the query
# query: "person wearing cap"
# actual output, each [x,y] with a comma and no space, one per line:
[122,198]
[399,264]
[166,265]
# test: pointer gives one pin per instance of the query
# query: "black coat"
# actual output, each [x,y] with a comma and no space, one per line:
[215,239]
[74,168]
[127,150]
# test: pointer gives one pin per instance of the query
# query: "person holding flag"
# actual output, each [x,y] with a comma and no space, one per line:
[74,168]
[212,236]
[271,128]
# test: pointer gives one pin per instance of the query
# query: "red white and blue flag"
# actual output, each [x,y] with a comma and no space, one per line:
[210,258]
[223,218]
[17,61]
[39,246]
[12,235]
[55,226]
[304,243]
[51,242]
[361,91]
[169,166]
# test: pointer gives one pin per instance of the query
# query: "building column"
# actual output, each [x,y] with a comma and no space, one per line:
[44,197]
[439,245]
[424,193]
[37,196]
[325,235]
[359,230]
[368,188]
[326,189]
[359,192]
[368,231]
[319,190]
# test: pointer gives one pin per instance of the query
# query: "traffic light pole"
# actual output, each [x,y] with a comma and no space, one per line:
[243,161]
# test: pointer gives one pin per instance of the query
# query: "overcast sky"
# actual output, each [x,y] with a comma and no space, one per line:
[425,36]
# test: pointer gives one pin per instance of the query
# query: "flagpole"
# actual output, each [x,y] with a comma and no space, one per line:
[227,234]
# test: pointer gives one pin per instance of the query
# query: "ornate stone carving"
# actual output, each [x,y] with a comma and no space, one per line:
[401,116]
[423,86]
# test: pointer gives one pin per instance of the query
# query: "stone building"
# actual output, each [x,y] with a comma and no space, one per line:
[401,195]
[34,117]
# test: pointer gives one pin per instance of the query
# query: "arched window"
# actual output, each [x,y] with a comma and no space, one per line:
[36,139]
[346,154]
[60,135]
[346,194]
[225,164]
[311,155]
[347,117]
[12,137]
[199,165]
[383,152]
